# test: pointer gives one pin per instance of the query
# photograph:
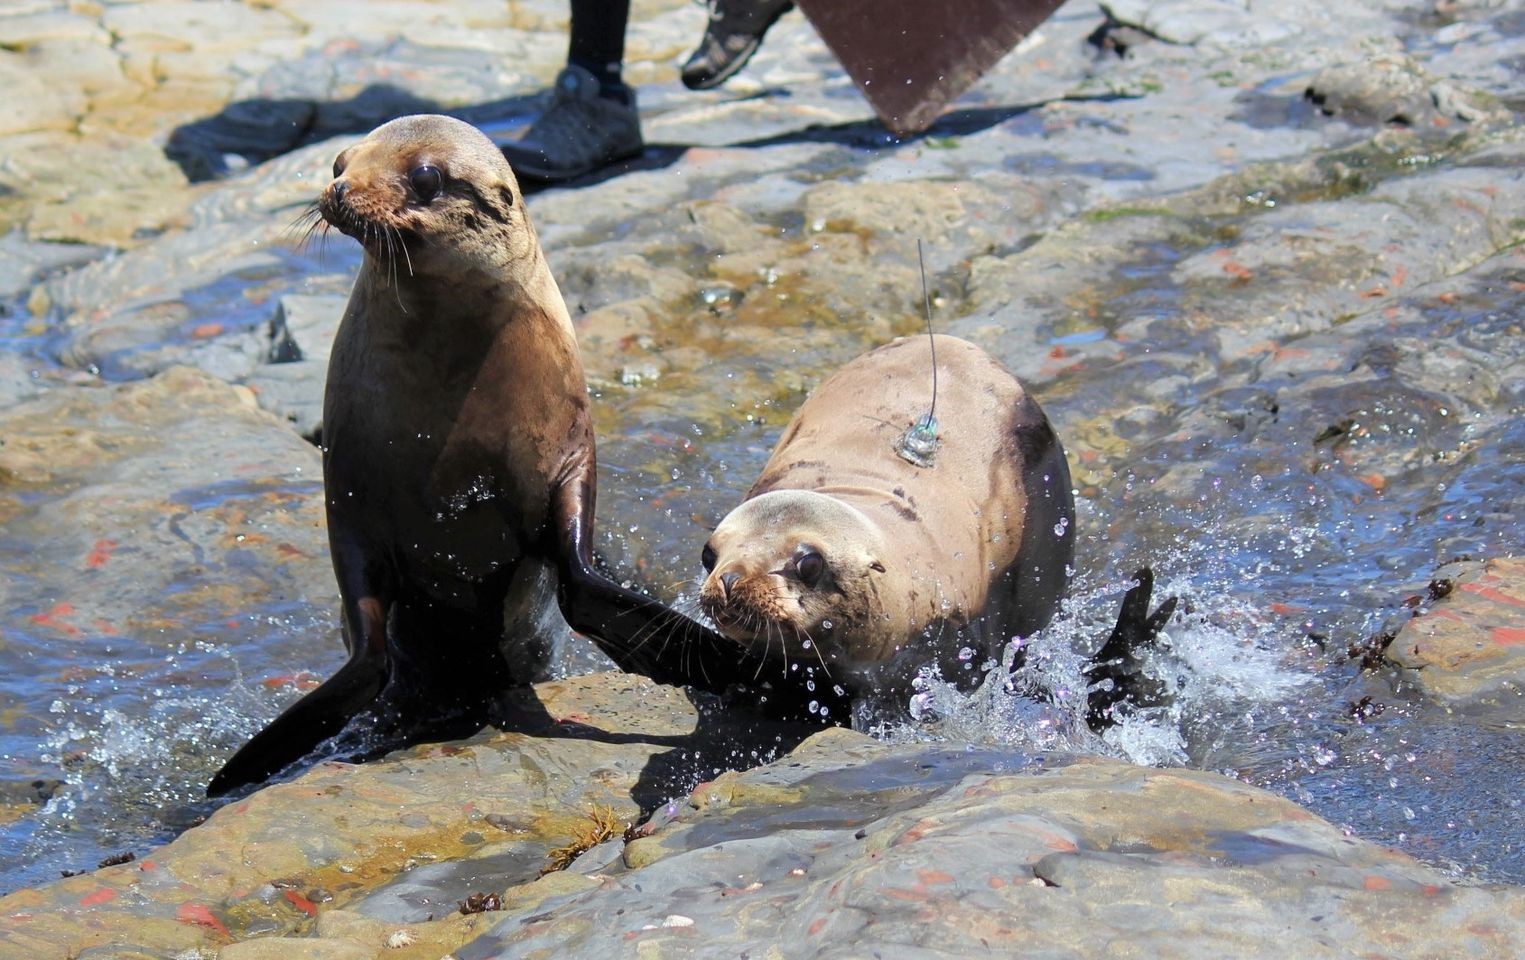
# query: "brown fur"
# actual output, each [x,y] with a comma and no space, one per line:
[920,561]
[458,459]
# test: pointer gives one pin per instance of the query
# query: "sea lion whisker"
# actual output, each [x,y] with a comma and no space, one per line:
[817,648]
[401,242]
[767,648]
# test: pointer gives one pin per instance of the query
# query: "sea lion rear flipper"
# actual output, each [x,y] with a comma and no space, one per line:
[1119,659]
[305,724]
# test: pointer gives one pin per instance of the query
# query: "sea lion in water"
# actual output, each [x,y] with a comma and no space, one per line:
[458,459]
[849,560]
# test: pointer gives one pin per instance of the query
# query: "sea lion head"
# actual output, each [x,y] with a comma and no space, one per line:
[802,570]
[433,196]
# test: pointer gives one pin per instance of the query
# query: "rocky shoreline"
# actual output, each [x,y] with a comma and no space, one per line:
[1229,243]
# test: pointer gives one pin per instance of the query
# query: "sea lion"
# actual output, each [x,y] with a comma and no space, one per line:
[852,562]
[458,459]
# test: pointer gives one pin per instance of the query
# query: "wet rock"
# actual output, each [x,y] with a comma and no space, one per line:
[23,262]
[360,832]
[845,844]
[1394,88]
[1468,651]
[952,853]
[161,514]
[290,382]
[1211,22]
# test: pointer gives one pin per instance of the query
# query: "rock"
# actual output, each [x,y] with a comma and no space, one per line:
[346,837]
[31,104]
[1211,22]
[980,852]
[161,514]
[24,262]
[1381,89]
[281,948]
[846,845]
[1468,651]
[303,327]
[115,191]
[290,382]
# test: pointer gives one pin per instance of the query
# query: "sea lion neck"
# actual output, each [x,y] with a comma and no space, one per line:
[465,302]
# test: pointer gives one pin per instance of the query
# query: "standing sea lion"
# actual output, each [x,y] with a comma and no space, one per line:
[849,557]
[458,460]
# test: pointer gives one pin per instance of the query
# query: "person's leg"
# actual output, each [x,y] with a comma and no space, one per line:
[597,43]
[592,119]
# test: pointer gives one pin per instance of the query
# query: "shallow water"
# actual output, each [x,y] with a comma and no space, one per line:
[1286,556]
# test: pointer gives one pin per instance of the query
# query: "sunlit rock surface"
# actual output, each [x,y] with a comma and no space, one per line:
[1468,650]
[843,847]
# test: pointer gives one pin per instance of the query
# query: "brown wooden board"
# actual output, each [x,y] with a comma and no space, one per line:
[911,58]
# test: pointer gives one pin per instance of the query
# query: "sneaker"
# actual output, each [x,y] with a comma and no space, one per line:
[579,132]
[735,32]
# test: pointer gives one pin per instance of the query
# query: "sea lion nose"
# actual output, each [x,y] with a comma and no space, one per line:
[727,580]
[341,187]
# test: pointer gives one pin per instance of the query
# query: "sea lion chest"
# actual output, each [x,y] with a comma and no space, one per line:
[443,440]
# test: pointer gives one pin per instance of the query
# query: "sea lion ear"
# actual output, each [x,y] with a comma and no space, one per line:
[876,566]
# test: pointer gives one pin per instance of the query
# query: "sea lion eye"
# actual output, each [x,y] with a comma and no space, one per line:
[339,165]
[427,182]
[810,566]
[708,558]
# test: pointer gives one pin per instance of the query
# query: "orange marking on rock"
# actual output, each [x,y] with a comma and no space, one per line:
[287,550]
[1400,275]
[300,902]
[934,877]
[100,553]
[1376,883]
[1285,609]
[995,883]
[197,915]
[103,895]
[1492,593]
[895,893]
[816,926]
[1237,270]
[206,331]
[1430,889]
[1508,636]
[301,680]
[50,619]
[1373,293]
[1057,353]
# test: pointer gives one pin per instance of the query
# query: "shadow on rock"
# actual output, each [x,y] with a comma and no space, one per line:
[249,132]
[725,737]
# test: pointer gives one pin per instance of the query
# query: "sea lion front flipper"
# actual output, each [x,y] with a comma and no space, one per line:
[639,633]
[323,712]
[1119,659]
